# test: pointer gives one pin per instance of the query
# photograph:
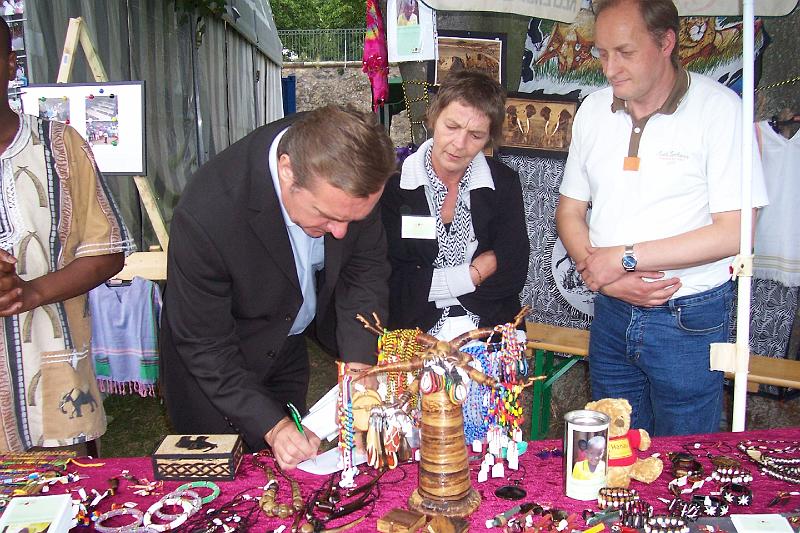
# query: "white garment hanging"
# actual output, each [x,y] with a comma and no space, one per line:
[777,241]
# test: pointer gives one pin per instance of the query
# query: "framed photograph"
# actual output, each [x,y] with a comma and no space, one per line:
[110,116]
[458,50]
[538,125]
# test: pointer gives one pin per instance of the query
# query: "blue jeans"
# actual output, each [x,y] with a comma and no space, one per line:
[658,359]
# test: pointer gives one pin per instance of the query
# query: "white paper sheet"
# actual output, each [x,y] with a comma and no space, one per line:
[761,523]
[328,462]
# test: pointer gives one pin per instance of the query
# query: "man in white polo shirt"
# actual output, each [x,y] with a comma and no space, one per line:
[657,154]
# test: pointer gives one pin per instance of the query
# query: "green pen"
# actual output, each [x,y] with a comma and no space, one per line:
[295,414]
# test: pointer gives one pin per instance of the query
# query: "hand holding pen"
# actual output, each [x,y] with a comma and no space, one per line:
[290,441]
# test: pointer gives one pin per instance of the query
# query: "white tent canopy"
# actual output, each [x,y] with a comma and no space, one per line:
[565,10]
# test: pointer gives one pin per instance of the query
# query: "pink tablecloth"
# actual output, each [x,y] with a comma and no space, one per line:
[542,480]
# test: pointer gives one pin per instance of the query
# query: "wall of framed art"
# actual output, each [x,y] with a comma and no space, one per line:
[110,116]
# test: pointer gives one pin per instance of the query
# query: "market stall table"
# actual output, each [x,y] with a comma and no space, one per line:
[540,475]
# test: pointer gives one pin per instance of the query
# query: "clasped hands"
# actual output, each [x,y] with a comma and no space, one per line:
[601,270]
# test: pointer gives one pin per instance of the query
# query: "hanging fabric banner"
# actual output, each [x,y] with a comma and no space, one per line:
[560,10]
[560,58]
[566,10]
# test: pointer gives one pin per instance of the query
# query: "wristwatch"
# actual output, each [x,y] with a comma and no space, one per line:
[629,259]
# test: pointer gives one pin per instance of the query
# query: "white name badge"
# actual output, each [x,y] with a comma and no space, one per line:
[418,227]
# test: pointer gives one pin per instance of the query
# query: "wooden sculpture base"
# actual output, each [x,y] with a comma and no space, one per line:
[462,507]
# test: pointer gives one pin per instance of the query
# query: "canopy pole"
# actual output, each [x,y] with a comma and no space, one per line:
[745,235]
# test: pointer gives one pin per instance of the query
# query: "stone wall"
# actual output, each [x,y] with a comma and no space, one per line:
[319,86]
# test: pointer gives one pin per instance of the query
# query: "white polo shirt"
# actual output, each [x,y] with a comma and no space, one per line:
[689,164]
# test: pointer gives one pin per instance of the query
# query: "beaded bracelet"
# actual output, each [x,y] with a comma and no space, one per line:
[737,494]
[202,484]
[712,505]
[122,511]
[723,461]
[177,522]
[687,510]
[189,495]
[687,467]
[666,524]
[732,475]
[616,497]
[636,513]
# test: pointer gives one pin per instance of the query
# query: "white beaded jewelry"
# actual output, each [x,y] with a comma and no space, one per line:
[666,524]
[189,495]
[732,475]
[178,521]
[135,513]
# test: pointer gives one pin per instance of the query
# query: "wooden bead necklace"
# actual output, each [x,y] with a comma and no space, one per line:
[267,501]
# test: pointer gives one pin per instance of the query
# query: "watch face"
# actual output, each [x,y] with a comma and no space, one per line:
[628,262]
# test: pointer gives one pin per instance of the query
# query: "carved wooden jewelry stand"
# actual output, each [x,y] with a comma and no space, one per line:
[444,485]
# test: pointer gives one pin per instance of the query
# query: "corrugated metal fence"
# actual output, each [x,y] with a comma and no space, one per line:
[346,45]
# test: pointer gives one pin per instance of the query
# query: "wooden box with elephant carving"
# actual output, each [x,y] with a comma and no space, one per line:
[198,457]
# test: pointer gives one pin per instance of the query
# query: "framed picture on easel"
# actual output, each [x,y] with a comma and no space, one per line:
[110,116]
[538,125]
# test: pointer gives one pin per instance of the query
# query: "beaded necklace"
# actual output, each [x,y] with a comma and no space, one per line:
[783,468]
[510,365]
[394,347]
[476,406]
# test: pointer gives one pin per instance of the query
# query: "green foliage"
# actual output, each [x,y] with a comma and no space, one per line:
[318,14]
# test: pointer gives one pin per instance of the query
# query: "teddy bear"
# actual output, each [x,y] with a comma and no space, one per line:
[623,463]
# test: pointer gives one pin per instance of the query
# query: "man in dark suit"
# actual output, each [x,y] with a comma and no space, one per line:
[275,231]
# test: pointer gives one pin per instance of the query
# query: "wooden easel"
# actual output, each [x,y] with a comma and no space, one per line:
[152,264]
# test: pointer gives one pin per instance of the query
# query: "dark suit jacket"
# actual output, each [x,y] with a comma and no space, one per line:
[233,293]
[498,217]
